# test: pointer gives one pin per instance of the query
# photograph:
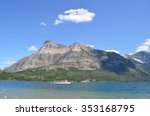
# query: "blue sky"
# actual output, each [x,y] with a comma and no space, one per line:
[122,25]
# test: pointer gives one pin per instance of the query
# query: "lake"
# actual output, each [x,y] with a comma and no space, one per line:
[95,90]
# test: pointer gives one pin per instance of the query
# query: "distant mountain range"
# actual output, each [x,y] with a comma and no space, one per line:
[79,60]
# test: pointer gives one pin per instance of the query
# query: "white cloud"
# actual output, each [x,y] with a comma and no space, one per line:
[6,63]
[113,51]
[76,16]
[130,54]
[32,48]
[144,46]
[91,46]
[9,62]
[43,24]
[57,22]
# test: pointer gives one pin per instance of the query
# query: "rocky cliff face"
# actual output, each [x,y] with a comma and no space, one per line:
[52,55]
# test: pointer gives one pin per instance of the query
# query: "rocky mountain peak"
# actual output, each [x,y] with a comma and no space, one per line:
[52,48]
[77,44]
[78,47]
[50,44]
[142,56]
[143,53]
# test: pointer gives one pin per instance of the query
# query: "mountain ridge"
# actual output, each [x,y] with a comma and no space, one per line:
[78,62]
[142,56]
[52,55]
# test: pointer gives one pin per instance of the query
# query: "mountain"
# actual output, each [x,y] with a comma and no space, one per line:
[52,56]
[141,60]
[78,62]
[142,57]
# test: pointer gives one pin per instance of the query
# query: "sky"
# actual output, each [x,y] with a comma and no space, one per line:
[113,25]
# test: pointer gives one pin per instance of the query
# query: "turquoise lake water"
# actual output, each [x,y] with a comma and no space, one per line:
[96,90]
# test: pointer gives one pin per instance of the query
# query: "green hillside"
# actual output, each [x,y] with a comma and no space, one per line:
[74,74]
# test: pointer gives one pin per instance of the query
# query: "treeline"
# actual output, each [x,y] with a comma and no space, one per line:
[73,74]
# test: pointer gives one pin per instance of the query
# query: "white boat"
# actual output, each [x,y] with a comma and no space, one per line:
[62,82]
